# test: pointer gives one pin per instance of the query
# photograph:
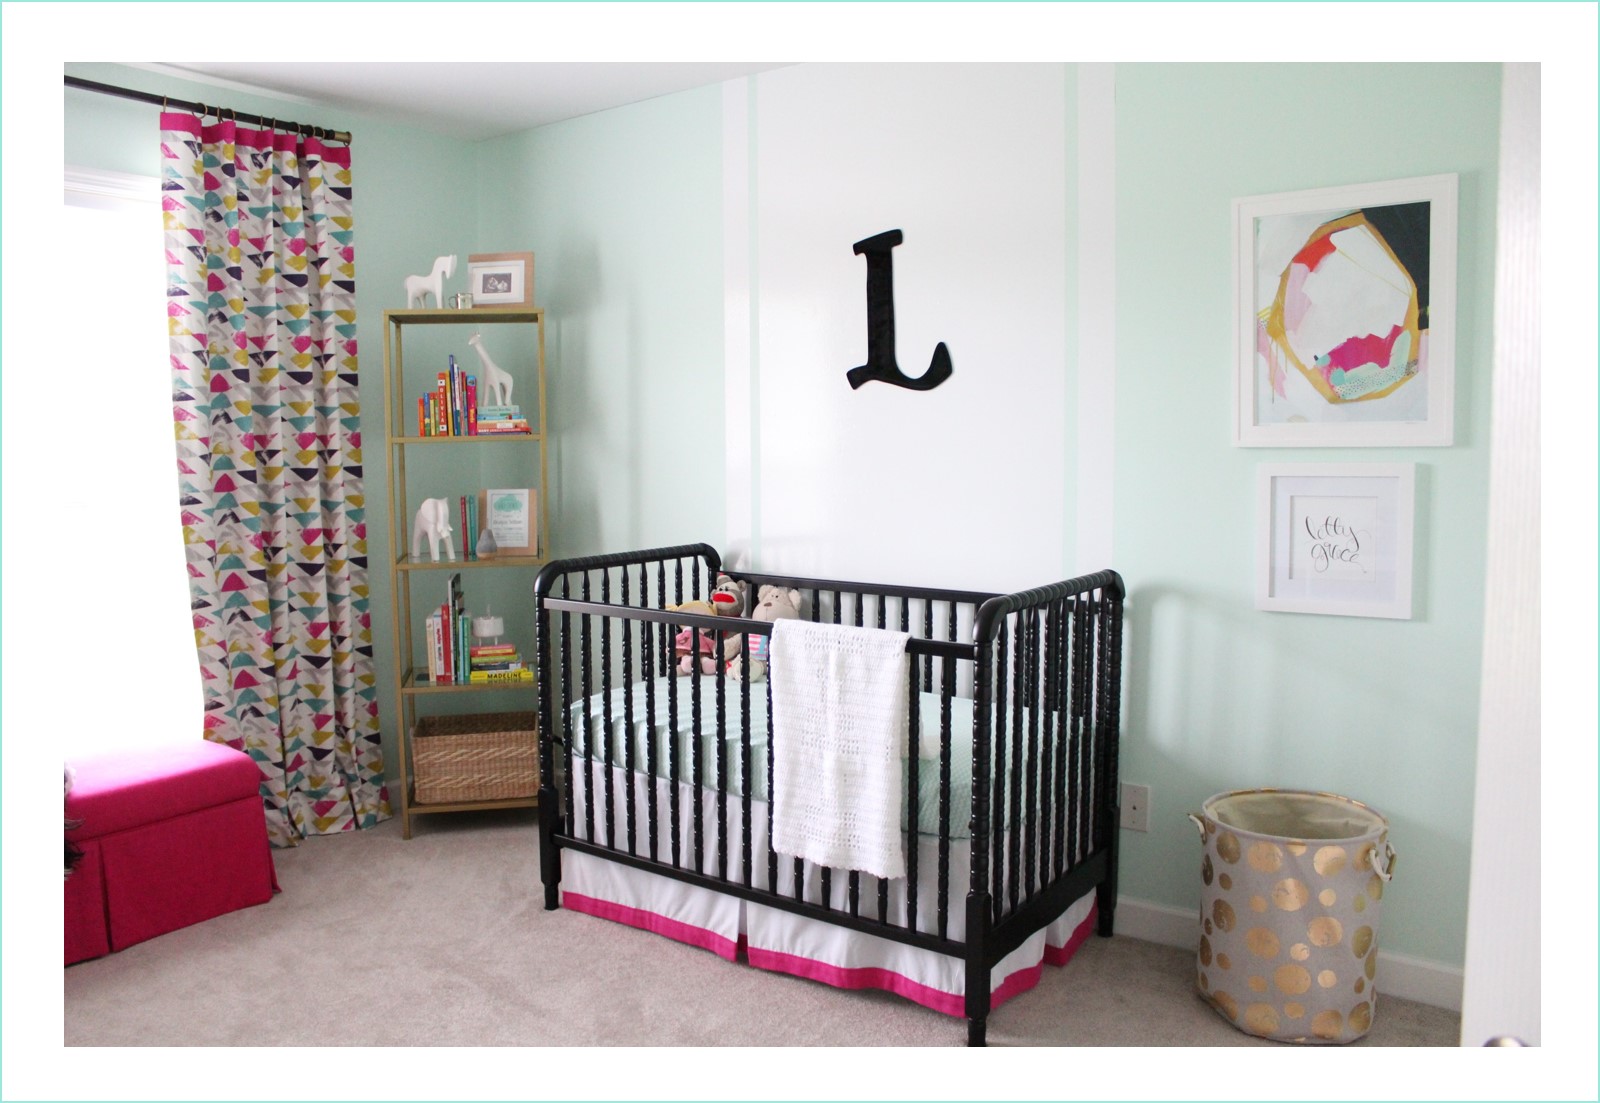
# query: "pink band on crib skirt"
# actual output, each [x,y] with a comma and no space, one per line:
[932,998]
[650,921]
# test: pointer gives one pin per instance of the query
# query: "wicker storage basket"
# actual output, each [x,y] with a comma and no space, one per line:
[486,756]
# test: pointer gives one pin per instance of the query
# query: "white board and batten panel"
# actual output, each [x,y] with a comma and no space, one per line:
[961,485]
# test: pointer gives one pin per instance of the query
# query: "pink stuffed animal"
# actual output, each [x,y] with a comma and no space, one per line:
[712,649]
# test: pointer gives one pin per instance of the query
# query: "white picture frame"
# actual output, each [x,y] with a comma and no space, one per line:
[1345,315]
[1336,538]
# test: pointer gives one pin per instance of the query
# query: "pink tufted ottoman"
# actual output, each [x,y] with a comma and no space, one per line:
[170,837]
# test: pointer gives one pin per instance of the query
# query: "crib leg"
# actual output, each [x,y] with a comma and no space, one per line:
[549,853]
[977,1032]
[1105,905]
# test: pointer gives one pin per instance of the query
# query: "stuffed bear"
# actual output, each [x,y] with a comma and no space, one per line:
[713,648]
[774,603]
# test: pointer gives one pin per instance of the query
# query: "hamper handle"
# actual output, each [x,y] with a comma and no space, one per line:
[1199,824]
[1383,867]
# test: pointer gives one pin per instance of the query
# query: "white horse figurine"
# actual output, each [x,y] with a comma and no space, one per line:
[418,288]
[496,382]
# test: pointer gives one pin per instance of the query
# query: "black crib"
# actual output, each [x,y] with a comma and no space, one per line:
[1040,671]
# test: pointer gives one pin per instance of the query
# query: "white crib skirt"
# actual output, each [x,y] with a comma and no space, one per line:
[775,939]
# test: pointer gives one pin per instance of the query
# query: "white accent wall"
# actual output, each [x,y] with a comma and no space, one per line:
[965,484]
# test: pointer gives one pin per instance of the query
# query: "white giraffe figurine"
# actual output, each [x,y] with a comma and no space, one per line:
[496,380]
[418,288]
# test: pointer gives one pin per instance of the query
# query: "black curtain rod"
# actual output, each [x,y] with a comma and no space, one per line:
[202,109]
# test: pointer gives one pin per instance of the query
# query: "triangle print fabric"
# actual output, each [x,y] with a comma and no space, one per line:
[262,327]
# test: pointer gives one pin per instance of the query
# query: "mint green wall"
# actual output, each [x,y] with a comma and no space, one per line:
[415,200]
[1222,696]
[623,211]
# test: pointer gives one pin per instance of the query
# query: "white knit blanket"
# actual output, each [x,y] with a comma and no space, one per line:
[838,745]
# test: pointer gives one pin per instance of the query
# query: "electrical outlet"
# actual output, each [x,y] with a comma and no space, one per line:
[1136,807]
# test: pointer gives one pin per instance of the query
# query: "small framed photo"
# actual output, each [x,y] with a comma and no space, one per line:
[501,280]
[1336,538]
[1345,315]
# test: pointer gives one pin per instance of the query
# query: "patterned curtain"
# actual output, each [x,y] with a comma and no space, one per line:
[261,315]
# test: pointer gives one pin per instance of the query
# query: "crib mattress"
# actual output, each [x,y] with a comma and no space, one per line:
[636,727]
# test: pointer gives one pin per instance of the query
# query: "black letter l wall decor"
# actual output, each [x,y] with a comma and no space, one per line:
[881,363]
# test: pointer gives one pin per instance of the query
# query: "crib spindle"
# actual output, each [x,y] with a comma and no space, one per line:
[746,790]
[998,825]
[722,763]
[1030,820]
[628,799]
[674,766]
[696,767]
[566,704]
[1057,726]
[913,784]
[947,693]
[1014,816]
[588,715]
[605,707]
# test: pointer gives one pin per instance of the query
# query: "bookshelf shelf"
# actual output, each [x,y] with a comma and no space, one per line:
[417,583]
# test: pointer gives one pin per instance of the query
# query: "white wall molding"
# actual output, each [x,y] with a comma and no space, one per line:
[741,445]
[1399,975]
[1096,175]
[1503,915]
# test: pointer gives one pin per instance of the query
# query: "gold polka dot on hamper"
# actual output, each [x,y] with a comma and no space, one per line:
[1290,894]
[1293,979]
[1327,1024]
[1361,941]
[1260,1018]
[1329,860]
[1226,1004]
[1325,931]
[1228,847]
[1222,913]
[1327,978]
[1205,950]
[1262,942]
[1361,1017]
[1265,857]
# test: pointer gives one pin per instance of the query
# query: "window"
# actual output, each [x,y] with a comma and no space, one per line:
[126,674]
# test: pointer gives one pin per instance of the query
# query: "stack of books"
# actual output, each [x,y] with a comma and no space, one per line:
[451,408]
[447,635]
[496,662]
[453,659]
[501,419]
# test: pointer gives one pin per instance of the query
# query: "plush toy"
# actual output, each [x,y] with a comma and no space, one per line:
[773,603]
[711,648]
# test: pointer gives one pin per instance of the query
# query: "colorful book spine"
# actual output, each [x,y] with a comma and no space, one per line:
[446,672]
[442,404]
[486,650]
[455,405]
[472,405]
[422,417]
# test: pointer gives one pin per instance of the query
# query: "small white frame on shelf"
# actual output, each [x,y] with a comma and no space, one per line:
[1336,538]
[1345,315]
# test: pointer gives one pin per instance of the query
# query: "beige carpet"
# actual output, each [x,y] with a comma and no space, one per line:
[442,941]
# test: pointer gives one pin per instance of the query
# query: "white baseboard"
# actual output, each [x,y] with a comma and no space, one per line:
[1403,976]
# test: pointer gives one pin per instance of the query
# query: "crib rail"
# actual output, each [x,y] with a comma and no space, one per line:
[1037,673]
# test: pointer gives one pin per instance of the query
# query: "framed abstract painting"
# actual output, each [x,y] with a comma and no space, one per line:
[1335,538]
[1345,304]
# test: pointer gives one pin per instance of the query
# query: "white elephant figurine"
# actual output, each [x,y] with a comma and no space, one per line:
[433,521]
[418,288]
[495,386]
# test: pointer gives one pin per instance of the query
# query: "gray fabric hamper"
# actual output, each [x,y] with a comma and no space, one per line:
[1292,888]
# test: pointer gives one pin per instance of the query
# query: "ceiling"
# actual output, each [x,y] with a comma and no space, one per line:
[472,100]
